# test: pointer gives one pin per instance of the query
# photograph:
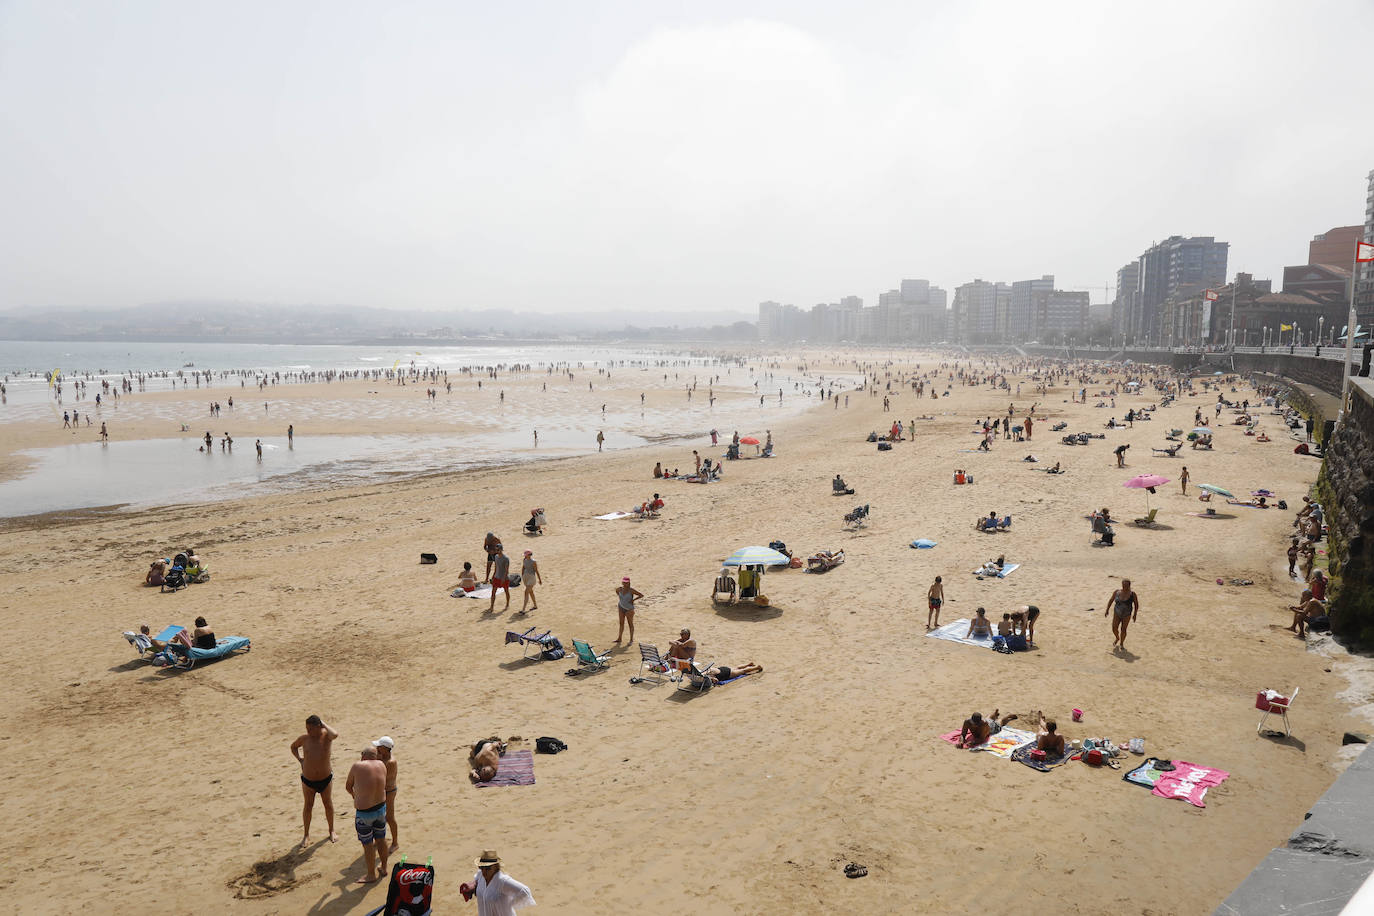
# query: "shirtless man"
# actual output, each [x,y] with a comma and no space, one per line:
[489,545]
[934,598]
[976,730]
[1305,610]
[367,784]
[385,746]
[1048,738]
[1124,606]
[684,647]
[311,751]
[486,759]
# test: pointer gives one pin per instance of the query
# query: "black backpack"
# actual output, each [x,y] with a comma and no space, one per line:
[549,745]
[552,651]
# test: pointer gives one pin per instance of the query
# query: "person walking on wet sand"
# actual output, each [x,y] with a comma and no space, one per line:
[625,606]
[529,574]
[500,578]
[290,435]
[1183,480]
[1124,606]
[312,752]
[600,439]
[934,598]
[367,784]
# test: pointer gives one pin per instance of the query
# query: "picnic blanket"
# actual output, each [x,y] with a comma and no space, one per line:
[954,632]
[1006,571]
[515,769]
[611,516]
[481,591]
[1003,744]
[1023,755]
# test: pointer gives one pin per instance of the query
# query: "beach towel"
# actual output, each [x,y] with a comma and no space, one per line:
[1188,781]
[1006,571]
[1006,742]
[611,516]
[1145,775]
[954,632]
[923,543]
[1003,744]
[515,769]
[481,591]
[1023,755]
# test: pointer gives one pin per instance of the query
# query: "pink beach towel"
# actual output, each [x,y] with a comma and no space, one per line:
[1188,781]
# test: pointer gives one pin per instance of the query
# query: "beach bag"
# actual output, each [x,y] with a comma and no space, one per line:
[1016,643]
[411,890]
[514,580]
[549,746]
[884,446]
[795,563]
[779,546]
[1093,758]
[1283,504]
[552,651]
[427,559]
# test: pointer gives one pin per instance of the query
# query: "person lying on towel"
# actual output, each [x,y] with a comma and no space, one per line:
[722,673]
[486,757]
[976,730]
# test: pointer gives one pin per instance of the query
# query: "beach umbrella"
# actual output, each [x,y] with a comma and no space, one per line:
[923,543]
[1219,491]
[1146,482]
[756,556]
[749,440]
[1202,430]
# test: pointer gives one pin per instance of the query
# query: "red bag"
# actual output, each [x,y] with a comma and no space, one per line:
[1094,758]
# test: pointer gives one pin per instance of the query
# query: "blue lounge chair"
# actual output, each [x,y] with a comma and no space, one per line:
[528,639]
[184,657]
[588,658]
[1005,523]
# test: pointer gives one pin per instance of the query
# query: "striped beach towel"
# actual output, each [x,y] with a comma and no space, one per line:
[516,769]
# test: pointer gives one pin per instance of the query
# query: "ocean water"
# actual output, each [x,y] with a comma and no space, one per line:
[172,469]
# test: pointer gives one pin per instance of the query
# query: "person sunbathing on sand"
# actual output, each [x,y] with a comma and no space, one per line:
[486,758]
[1048,738]
[723,673]
[468,580]
[976,730]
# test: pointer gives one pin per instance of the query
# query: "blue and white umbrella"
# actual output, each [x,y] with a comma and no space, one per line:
[756,556]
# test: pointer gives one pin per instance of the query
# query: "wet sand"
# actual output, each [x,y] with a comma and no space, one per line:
[751,797]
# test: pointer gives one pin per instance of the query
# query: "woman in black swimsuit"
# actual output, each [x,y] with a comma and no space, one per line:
[203,637]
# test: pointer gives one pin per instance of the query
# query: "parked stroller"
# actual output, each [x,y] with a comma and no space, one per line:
[858,518]
[176,578]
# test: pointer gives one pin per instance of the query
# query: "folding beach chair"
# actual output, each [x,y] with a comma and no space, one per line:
[1004,524]
[184,657]
[143,645]
[528,639]
[588,658]
[695,679]
[1278,706]
[655,663]
[1149,520]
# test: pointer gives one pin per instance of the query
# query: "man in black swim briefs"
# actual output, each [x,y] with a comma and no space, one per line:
[312,752]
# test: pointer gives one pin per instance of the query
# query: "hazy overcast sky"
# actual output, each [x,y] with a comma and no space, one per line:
[664,156]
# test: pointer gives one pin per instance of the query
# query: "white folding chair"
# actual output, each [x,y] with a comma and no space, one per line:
[1276,708]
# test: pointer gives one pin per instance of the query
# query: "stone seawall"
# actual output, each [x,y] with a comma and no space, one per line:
[1346,491]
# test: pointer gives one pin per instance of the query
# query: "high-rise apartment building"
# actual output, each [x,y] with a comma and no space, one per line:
[770,320]
[1020,323]
[1364,288]
[976,306]
[1175,267]
[1125,306]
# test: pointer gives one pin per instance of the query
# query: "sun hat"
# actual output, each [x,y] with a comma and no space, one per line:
[489,857]
[384,741]
[625,579]
[529,553]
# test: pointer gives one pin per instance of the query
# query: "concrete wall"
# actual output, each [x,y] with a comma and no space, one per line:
[1324,862]
[1345,489]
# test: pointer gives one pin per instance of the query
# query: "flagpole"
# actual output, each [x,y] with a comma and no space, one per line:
[1350,326]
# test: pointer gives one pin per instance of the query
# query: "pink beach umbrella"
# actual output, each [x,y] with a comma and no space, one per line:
[1146,482]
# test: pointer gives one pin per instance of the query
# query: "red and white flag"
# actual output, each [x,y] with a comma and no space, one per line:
[1364,251]
[1210,295]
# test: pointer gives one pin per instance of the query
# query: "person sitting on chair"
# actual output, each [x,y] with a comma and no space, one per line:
[203,637]
[989,523]
[684,647]
[724,585]
[1102,526]
[839,486]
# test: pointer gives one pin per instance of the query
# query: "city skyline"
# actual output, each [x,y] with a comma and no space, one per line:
[640,156]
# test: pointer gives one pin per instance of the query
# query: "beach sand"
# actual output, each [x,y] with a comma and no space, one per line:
[174,791]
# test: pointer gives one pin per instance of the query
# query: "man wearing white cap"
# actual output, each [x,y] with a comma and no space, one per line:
[385,746]
[497,893]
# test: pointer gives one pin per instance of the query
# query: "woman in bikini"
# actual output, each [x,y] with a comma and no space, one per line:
[1124,606]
